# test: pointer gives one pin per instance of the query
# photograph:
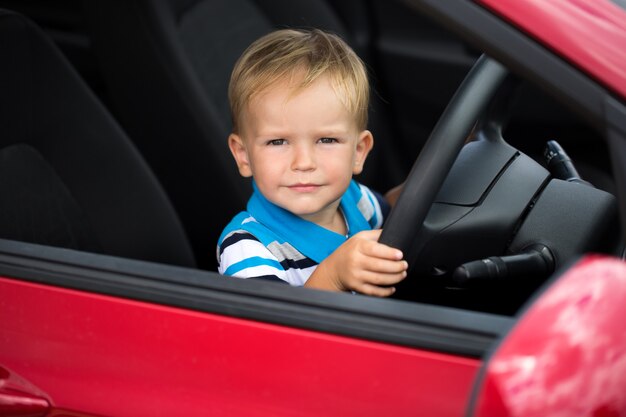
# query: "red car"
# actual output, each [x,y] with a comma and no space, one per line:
[512,217]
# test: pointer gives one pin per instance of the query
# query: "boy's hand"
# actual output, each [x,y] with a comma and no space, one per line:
[363,265]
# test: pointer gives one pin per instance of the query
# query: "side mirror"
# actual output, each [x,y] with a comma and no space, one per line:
[566,356]
[18,397]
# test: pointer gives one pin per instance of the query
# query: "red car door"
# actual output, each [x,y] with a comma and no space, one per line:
[78,336]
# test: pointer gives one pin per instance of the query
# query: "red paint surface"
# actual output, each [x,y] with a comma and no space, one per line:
[589,33]
[104,355]
[567,357]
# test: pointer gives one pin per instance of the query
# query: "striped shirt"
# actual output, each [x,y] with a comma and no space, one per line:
[269,242]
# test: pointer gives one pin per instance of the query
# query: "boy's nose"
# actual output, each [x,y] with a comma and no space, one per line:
[303,159]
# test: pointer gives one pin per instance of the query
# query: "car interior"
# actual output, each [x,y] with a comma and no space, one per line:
[115,117]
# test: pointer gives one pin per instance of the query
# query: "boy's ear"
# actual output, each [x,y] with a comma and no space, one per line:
[238,149]
[364,145]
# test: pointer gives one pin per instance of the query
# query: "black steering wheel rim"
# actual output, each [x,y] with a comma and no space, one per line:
[404,227]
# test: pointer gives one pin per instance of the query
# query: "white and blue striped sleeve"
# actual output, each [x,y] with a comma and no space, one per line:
[241,255]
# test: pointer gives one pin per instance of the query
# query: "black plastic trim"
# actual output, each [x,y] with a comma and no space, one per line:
[616,133]
[520,54]
[398,322]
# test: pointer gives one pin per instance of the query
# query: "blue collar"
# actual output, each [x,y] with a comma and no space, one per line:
[308,238]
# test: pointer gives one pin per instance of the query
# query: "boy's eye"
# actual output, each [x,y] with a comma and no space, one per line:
[276,142]
[328,140]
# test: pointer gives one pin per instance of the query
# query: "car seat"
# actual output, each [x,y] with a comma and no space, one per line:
[167,64]
[69,176]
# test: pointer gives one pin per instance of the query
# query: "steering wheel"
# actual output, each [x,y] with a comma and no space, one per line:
[404,227]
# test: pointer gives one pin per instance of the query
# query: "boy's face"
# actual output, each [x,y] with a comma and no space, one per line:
[302,149]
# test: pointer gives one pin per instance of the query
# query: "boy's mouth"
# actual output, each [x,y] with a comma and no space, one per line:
[303,188]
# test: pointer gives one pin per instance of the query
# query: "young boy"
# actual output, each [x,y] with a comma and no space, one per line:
[299,106]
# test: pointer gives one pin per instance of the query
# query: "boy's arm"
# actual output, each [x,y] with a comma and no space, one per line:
[363,265]
[243,256]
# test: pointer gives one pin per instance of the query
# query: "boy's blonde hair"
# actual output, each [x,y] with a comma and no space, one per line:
[283,54]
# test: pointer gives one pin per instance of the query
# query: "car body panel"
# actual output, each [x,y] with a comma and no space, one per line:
[590,34]
[570,343]
[121,357]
